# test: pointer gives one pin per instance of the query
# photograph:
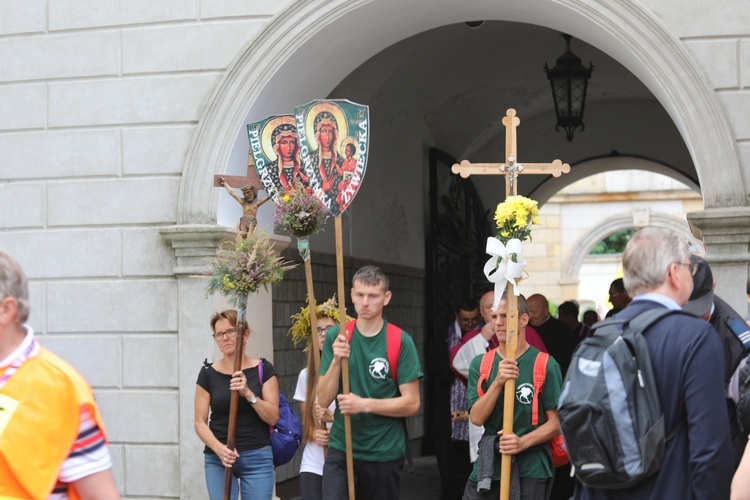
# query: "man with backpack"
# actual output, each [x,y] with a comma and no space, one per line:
[686,453]
[384,375]
[534,419]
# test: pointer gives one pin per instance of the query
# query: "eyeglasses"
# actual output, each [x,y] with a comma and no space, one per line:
[692,266]
[324,331]
[230,333]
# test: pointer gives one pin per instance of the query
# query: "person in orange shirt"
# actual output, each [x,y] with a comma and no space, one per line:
[52,442]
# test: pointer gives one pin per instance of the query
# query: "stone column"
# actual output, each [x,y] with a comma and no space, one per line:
[726,235]
[569,288]
[194,247]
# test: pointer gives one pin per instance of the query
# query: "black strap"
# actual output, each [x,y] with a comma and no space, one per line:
[676,429]
[409,460]
[644,320]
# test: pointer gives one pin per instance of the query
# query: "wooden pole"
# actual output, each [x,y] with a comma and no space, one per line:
[511,304]
[239,352]
[315,344]
[315,341]
[511,343]
[345,361]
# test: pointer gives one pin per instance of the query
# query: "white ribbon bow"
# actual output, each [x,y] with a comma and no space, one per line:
[500,268]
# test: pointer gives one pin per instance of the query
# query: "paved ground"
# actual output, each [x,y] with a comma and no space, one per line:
[424,484]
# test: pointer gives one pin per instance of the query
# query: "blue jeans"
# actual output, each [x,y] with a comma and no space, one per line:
[254,469]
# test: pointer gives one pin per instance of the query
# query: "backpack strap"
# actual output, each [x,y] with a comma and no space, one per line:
[393,348]
[392,352]
[392,344]
[540,373]
[260,372]
[637,324]
[350,329]
[646,319]
[484,370]
[741,331]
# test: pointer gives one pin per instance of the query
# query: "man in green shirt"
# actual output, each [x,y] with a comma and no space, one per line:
[528,443]
[376,403]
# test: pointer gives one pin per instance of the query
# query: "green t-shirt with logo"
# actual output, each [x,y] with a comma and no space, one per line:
[375,438]
[536,462]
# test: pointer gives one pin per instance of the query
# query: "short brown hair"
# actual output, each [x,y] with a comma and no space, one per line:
[229,315]
[371,276]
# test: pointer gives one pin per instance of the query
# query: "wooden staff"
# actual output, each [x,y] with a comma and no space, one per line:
[239,352]
[511,343]
[315,344]
[344,361]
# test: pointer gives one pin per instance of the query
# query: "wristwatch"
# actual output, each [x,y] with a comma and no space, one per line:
[253,400]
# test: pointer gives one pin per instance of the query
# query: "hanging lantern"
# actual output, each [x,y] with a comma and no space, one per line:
[569,79]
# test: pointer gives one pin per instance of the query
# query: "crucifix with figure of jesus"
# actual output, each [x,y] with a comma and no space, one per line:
[249,184]
[510,169]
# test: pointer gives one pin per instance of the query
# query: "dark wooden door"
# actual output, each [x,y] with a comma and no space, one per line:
[455,246]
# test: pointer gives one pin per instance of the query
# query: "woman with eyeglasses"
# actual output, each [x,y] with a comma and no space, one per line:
[315,438]
[251,460]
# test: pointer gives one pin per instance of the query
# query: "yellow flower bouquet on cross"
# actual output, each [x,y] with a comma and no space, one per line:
[514,218]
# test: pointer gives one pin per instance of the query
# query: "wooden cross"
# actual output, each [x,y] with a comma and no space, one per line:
[238,181]
[510,169]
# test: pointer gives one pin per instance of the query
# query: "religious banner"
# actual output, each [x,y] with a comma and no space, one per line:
[274,146]
[334,143]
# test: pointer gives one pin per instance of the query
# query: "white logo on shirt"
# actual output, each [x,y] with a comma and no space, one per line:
[525,393]
[379,368]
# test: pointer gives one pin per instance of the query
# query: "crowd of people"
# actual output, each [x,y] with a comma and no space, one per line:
[697,357]
[699,459]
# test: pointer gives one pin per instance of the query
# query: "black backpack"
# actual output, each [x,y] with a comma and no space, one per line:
[743,400]
[609,409]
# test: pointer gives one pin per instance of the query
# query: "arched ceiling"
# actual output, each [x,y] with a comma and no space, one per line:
[462,80]
[466,78]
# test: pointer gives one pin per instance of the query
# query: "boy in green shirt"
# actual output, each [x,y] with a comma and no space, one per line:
[376,403]
[535,468]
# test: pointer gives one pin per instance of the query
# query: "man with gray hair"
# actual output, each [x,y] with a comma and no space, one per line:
[52,442]
[687,360]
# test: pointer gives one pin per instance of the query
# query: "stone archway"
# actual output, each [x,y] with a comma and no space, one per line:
[262,79]
[583,246]
[547,190]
